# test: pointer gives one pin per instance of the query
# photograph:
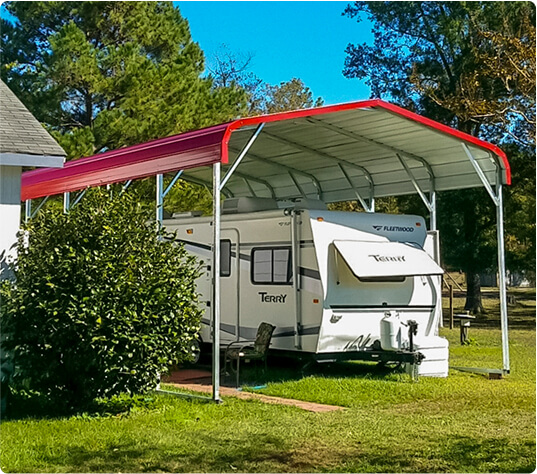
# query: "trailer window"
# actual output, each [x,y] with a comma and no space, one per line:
[272,266]
[225,258]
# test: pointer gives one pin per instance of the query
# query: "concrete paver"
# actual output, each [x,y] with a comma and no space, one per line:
[200,381]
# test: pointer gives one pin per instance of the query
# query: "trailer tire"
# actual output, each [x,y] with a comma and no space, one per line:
[390,365]
[195,352]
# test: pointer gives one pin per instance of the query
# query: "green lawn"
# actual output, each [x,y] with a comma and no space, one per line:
[465,423]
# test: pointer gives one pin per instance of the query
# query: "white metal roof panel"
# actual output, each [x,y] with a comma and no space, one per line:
[369,144]
[331,153]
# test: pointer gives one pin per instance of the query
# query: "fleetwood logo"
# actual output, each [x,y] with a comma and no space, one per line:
[388,258]
[392,228]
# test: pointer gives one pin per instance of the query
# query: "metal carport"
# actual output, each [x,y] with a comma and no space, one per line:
[354,151]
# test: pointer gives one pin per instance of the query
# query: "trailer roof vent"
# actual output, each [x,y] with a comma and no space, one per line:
[313,204]
[185,215]
[243,205]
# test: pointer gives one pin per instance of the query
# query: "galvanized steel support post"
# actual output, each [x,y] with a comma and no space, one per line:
[125,186]
[295,258]
[216,283]
[501,271]
[430,202]
[27,210]
[160,199]
[34,213]
[66,202]
[497,199]
[433,210]
[78,198]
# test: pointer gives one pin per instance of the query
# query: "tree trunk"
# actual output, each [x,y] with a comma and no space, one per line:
[473,293]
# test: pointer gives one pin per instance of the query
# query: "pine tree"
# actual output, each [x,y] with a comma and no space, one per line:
[102,75]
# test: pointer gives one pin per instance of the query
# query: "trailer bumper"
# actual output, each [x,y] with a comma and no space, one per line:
[371,355]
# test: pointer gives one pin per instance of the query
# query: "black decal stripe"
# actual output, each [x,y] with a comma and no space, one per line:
[308,272]
[310,331]
[228,328]
[290,331]
[250,333]
[195,244]
[272,243]
[350,306]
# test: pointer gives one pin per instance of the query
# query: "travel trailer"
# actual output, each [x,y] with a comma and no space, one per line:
[337,285]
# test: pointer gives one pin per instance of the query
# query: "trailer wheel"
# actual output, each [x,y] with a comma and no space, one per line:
[390,365]
[195,352]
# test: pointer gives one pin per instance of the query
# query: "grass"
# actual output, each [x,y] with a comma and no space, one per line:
[465,423]
[521,315]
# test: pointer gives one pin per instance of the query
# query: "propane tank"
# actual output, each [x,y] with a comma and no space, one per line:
[390,332]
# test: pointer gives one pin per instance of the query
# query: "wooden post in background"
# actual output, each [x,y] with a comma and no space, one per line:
[450,306]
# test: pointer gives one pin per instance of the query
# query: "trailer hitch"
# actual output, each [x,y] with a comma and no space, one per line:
[412,331]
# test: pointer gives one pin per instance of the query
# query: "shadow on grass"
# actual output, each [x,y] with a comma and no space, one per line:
[22,406]
[191,452]
[286,370]
[490,455]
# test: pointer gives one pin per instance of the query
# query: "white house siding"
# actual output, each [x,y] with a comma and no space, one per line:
[10,207]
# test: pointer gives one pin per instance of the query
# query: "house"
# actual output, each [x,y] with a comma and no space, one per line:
[23,143]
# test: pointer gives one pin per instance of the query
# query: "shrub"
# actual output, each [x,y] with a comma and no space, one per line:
[100,304]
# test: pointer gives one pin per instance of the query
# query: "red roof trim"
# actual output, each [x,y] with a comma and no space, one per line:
[198,148]
[188,150]
[374,103]
[451,131]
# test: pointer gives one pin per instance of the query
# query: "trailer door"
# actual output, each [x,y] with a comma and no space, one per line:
[230,285]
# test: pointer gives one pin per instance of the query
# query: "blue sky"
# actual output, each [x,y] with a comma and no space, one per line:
[304,39]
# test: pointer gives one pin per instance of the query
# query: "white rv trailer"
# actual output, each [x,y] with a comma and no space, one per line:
[337,285]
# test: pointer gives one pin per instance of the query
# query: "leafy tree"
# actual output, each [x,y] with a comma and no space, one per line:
[232,69]
[290,95]
[99,304]
[520,210]
[110,74]
[228,68]
[103,75]
[470,65]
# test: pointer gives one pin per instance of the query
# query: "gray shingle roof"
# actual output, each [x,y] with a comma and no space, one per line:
[20,132]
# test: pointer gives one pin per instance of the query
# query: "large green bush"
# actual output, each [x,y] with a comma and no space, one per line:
[100,304]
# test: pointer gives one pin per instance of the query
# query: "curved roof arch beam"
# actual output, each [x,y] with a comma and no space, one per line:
[486,183]
[208,186]
[257,180]
[335,159]
[241,156]
[249,186]
[357,136]
[297,184]
[430,202]
[368,207]
[289,169]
